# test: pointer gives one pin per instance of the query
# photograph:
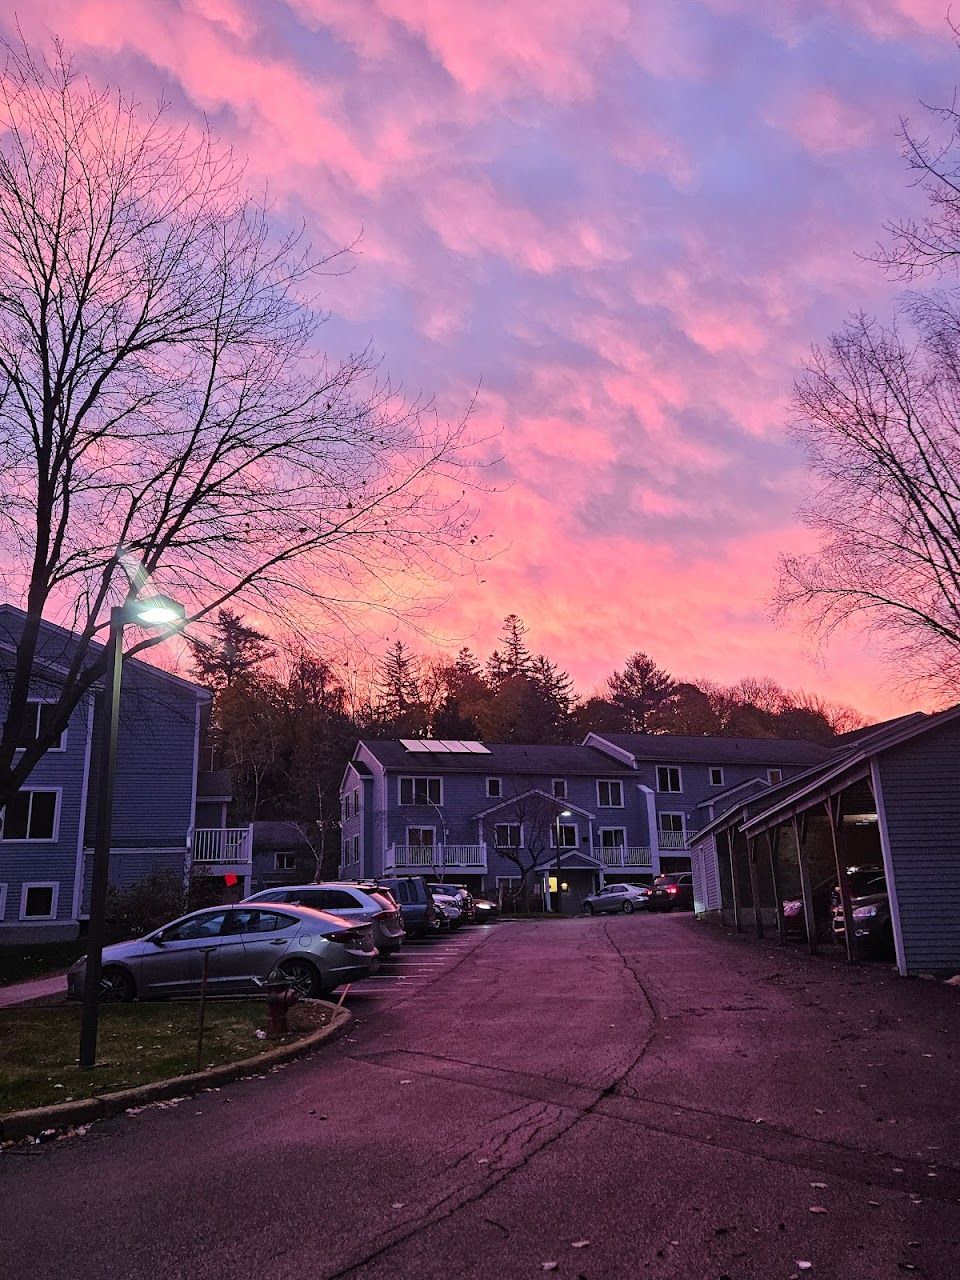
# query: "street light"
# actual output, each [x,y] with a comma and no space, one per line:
[158,611]
[564,813]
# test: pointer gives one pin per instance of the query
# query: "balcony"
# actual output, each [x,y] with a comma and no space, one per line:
[624,856]
[672,840]
[216,849]
[421,857]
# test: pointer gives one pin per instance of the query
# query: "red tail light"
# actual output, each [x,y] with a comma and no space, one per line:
[672,888]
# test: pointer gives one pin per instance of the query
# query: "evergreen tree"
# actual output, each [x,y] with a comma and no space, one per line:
[234,652]
[640,690]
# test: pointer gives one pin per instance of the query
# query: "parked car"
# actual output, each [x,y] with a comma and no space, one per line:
[451,912]
[872,923]
[618,897]
[247,946]
[359,904]
[463,896]
[673,892]
[794,921]
[420,917]
[485,910]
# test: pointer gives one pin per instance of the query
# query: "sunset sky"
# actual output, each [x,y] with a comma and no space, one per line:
[625,222]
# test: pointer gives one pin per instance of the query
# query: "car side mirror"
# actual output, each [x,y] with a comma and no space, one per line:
[157,939]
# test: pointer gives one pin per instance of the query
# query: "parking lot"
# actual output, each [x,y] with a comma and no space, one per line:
[419,963]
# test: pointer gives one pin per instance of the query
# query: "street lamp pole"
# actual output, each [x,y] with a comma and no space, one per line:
[155,612]
[564,813]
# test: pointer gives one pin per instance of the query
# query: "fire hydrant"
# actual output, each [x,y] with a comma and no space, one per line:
[278,1004]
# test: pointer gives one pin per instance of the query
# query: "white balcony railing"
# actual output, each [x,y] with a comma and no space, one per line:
[624,856]
[672,839]
[439,855]
[223,844]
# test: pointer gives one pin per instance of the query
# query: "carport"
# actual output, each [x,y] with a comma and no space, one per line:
[888,797]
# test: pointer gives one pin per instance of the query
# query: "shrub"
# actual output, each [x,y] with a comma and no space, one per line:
[134,911]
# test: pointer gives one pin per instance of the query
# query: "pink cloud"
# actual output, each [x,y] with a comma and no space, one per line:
[823,122]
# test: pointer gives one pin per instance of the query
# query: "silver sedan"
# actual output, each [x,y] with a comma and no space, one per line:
[619,897]
[243,947]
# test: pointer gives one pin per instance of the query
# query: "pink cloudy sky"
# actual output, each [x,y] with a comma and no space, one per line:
[626,220]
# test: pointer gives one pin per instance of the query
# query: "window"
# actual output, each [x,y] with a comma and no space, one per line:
[610,795]
[612,837]
[356,848]
[284,862]
[31,815]
[494,788]
[568,835]
[774,775]
[670,830]
[560,788]
[356,802]
[421,837]
[420,791]
[208,925]
[346,807]
[3,900]
[35,721]
[39,901]
[259,922]
[716,776]
[668,778]
[506,835]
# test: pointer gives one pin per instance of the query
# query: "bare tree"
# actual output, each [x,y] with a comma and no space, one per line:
[168,420]
[533,816]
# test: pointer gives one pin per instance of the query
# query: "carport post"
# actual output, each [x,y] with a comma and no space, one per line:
[754,885]
[773,839]
[806,892]
[733,883]
[844,886]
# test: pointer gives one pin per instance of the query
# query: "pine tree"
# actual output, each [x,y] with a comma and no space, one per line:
[234,652]
[640,690]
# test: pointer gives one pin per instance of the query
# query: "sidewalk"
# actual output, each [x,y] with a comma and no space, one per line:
[37,988]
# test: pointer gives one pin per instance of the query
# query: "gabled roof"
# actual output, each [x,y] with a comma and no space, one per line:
[502,758]
[559,801]
[666,748]
[9,612]
[723,800]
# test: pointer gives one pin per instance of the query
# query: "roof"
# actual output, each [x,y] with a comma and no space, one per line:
[279,835]
[666,748]
[50,663]
[502,757]
[560,803]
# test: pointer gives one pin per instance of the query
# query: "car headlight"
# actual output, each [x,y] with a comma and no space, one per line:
[864,913]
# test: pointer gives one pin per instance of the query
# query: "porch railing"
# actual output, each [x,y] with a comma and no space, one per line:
[672,839]
[439,855]
[222,844]
[624,856]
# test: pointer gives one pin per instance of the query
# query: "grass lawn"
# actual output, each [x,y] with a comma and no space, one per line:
[20,963]
[137,1043]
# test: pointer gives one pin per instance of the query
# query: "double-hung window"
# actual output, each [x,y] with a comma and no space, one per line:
[494,788]
[506,835]
[560,788]
[30,815]
[716,776]
[35,721]
[567,833]
[610,794]
[668,778]
[421,791]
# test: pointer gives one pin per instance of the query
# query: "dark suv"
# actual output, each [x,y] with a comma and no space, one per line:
[673,892]
[870,907]
[412,893]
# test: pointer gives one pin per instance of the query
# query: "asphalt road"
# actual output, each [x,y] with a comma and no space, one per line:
[622,1097]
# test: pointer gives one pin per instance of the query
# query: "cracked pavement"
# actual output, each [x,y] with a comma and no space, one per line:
[633,1096]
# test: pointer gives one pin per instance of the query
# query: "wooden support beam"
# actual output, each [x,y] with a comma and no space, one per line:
[733,883]
[806,891]
[773,841]
[842,880]
[754,885]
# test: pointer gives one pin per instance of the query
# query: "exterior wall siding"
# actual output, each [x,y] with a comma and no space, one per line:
[920,786]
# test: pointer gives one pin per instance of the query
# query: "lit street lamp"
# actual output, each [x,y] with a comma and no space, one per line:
[564,813]
[158,611]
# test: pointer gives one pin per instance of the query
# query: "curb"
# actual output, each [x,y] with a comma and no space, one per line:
[66,1115]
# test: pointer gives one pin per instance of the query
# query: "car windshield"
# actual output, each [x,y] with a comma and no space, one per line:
[867,881]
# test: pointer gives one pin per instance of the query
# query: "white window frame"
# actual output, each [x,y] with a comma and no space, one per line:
[498,793]
[672,813]
[519,827]
[276,861]
[3,900]
[716,768]
[52,839]
[355,808]
[418,827]
[414,778]
[559,786]
[39,884]
[670,791]
[45,702]
[771,779]
[610,782]
[356,848]
[600,834]
[572,826]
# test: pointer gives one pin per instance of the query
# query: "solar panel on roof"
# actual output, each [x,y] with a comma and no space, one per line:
[415,744]
[444,746]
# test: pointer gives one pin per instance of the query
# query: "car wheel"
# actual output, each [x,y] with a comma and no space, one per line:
[301,975]
[116,986]
[588,908]
[627,908]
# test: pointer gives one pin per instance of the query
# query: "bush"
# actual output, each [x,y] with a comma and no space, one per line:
[143,906]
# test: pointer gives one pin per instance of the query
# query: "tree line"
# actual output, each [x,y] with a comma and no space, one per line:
[285,721]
